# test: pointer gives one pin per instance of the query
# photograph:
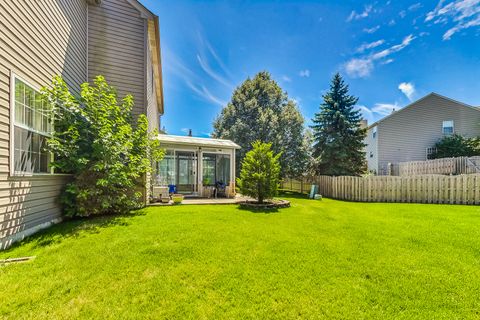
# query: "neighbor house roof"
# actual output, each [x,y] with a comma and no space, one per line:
[196,141]
[421,99]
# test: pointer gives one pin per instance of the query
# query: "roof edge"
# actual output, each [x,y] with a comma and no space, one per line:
[146,13]
[419,100]
[232,145]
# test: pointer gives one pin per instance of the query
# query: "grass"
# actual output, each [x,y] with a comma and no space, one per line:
[317,259]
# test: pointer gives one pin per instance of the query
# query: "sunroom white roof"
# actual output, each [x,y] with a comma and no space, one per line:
[196,141]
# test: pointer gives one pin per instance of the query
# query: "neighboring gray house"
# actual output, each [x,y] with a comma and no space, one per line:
[77,39]
[409,134]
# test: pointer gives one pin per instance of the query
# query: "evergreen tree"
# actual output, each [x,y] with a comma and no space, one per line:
[261,110]
[338,137]
[260,172]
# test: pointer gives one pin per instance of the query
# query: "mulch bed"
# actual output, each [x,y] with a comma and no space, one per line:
[269,204]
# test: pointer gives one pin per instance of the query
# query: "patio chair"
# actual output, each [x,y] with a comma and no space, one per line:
[220,189]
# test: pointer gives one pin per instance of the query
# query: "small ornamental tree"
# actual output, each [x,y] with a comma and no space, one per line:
[260,175]
[96,140]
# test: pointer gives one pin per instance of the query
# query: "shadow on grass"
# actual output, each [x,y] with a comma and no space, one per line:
[75,227]
[292,194]
[258,210]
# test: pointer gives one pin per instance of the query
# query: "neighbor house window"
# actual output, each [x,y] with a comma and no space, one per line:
[447,127]
[374,132]
[32,127]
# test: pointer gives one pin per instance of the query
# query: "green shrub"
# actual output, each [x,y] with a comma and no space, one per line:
[260,174]
[96,140]
[456,146]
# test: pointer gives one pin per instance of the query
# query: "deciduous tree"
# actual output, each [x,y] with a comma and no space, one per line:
[261,110]
[96,140]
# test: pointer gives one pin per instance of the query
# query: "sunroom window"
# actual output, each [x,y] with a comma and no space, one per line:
[32,127]
[216,168]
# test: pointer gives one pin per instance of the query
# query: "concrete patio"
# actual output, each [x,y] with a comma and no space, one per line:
[197,201]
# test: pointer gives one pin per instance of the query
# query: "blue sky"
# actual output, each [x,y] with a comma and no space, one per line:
[390,53]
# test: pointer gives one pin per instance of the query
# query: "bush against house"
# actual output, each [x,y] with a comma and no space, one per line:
[97,140]
[261,110]
[260,175]
[456,146]
[338,137]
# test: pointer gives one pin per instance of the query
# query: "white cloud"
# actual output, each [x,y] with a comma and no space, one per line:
[179,70]
[450,32]
[304,73]
[463,13]
[363,66]
[371,30]
[402,14]
[388,61]
[384,53]
[359,68]
[415,6]
[392,22]
[385,109]
[408,89]
[208,70]
[379,109]
[204,93]
[370,45]
[286,78]
[366,113]
[360,15]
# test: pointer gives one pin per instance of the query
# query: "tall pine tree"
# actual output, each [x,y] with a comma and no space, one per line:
[338,137]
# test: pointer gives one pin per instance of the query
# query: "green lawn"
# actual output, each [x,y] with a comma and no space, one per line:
[317,259]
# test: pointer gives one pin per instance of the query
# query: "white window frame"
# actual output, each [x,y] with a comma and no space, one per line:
[374,132]
[443,127]
[13,172]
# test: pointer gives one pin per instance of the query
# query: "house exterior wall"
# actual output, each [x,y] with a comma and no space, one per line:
[117,48]
[41,39]
[405,135]
[38,39]
[371,150]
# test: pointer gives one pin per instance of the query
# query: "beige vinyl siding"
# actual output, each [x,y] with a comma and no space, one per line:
[117,48]
[38,39]
[405,135]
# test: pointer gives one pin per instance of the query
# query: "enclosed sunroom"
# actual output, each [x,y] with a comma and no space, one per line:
[197,166]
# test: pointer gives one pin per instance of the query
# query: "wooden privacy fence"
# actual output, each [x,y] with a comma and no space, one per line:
[460,165]
[461,189]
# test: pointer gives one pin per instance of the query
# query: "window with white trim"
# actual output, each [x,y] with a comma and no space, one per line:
[32,127]
[447,127]
[374,132]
